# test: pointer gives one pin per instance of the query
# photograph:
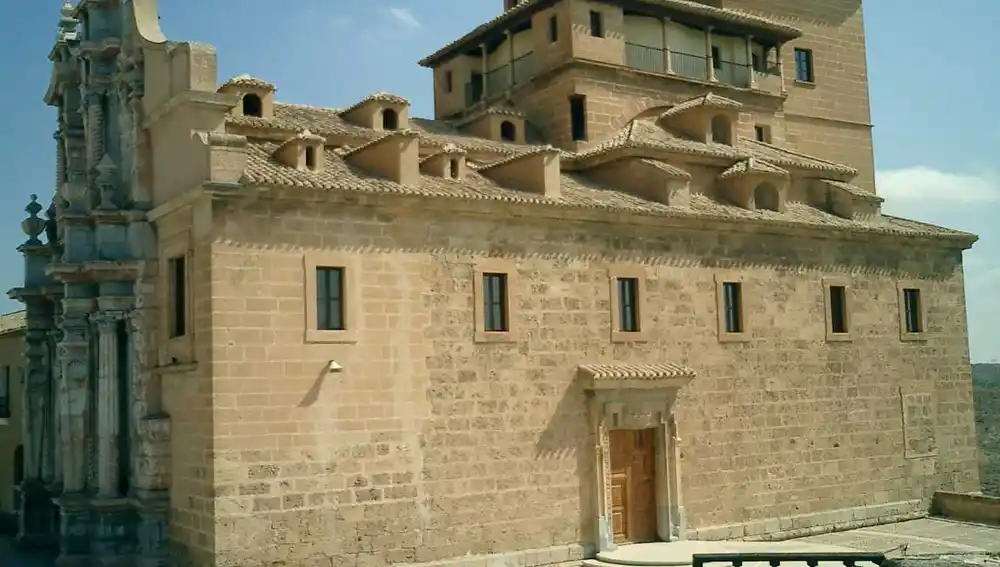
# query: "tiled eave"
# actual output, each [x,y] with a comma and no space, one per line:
[684,11]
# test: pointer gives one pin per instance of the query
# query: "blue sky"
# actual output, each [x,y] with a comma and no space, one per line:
[937,133]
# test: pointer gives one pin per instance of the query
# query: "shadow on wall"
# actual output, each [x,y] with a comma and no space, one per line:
[830,13]
[568,434]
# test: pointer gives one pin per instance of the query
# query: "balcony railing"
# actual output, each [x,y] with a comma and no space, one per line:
[653,59]
[498,80]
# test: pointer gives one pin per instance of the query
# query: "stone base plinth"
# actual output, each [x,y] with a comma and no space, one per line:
[153,509]
[37,517]
[113,532]
[74,531]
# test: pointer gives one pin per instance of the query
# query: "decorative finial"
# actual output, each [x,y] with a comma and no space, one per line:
[33,225]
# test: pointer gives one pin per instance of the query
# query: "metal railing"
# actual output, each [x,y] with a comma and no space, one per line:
[848,559]
[644,57]
[732,73]
[653,59]
[498,80]
[524,68]
[688,65]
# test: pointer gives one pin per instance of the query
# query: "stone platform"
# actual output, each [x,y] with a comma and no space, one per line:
[679,553]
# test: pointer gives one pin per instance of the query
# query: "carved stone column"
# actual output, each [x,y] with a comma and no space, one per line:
[709,58]
[106,323]
[55,369]
[92,104]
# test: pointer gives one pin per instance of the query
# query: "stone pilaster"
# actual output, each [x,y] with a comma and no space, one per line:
[92,104]
[108,393]
[74,350]
[55,369]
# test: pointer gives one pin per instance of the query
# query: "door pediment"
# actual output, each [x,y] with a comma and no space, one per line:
[662,376]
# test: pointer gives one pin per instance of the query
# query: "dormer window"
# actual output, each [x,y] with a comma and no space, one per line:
[252,105]
[508,132]
[765,197]
[310,158]
[722,130]
[390,119]
[453,169]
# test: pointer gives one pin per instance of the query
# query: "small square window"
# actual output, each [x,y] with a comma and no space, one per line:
[912,315]
[177,298]
[596,24]
[495,312]
[553,29]
[330,299]
[762,133]
[731,309]
[494,317]
[804,65]
[628,305]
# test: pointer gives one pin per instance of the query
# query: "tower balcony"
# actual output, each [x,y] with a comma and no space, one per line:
[758,75]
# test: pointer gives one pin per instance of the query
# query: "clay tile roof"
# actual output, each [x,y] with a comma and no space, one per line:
[12,322]
[853,190]
[751,166]
[406,133]
[449,150]
[578,191]
[709,100]
[248,81]
[515,157]
[304,135]
[697,9]
[787,158]
[380,96]
[601,372]
[495,110]
[667,169]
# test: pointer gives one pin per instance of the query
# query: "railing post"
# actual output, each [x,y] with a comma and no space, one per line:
[482,67]
[668,64]
[753,77]
[708,55]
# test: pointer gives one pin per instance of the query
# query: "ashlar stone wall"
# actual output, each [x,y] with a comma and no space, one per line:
[427,446]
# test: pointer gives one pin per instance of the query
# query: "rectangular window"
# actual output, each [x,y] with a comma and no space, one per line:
[578,117]
[177,286]
[553,29]
[804,65]
[628,305]
[732,300]
[495,303]
[447,81]
[760,133]
[755,62]
[5,393]
[716,58]
[838,309]
[330,299]
[596,24]
[912,311]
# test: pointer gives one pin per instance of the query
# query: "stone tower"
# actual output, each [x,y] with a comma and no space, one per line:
[580,71]
[90,487]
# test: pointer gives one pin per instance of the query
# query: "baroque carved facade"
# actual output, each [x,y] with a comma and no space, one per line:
[604,297]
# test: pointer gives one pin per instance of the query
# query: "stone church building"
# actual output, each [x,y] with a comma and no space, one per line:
[631,283]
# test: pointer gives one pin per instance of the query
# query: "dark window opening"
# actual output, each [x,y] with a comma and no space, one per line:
[596,24]
[578,117]
[732,305]
[760,133]
[804,65]
[454,171]
[390,119]
[311,157]
[252,105]
[330,299]
[756,63]
[628,305]
[716,58]
[5,393]
[19,465]
[553,29]
[495,308]
[447,82]
[912,311]
[722,130]
[177,272]
[838,309]
[508,132]
[765,197]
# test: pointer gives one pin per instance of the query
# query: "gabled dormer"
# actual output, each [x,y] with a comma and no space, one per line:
[501,123]
[536,171]
[754,185]
[845,200]
[256,96]
[304,152]
[449,163]
[379,111]
[709,118]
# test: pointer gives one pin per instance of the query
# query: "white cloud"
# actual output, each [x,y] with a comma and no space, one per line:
[405,17]
[925,185]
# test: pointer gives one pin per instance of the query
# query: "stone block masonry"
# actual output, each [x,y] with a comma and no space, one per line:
[428,446]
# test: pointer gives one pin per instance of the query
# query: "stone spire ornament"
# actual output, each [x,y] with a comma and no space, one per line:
[33,225]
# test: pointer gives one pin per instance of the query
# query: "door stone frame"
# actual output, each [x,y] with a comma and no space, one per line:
[636,397]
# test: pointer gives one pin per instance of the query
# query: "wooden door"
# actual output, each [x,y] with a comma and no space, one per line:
[633,485]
